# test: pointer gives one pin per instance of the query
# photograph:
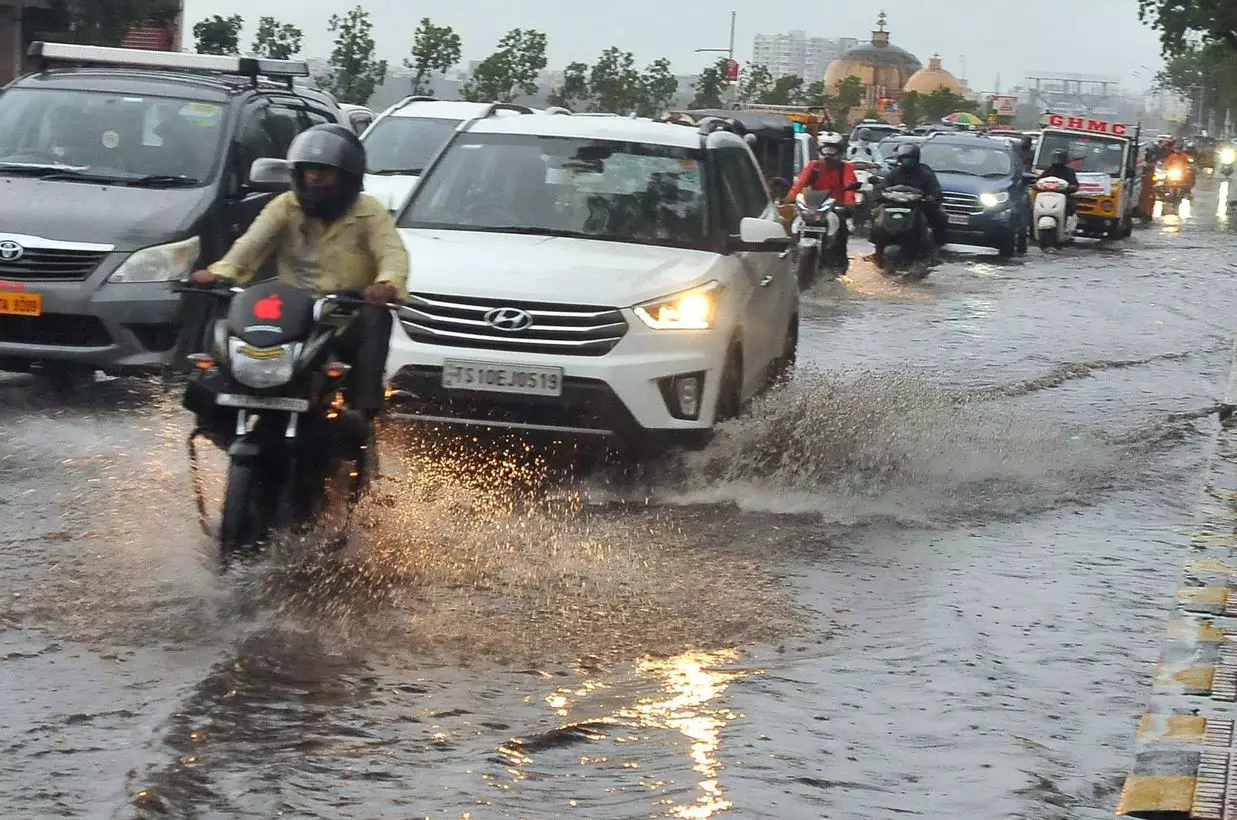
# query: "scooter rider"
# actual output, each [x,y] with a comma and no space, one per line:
[829,173]
[325,235]
[863,149]
[1061,170]
[909,170]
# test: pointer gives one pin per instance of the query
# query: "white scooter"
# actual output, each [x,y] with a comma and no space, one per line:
[1051,225]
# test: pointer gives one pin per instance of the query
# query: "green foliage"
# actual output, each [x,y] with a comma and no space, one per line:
[511,71]
[942,102]
[1206,74]
[278,41]
[353,73]
[104,22]
[434,49]
[785,91]
[574,90]
[845,98]
[911,106]
[613,85]
[755,85]
[710,86]
[218,35]
[658,85]
[1182,23]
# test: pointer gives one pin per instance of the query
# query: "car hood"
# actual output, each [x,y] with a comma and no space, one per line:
[550,269]
[391,191]
[967,184]
[129,218]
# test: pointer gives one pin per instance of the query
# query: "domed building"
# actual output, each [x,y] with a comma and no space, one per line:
[883,68]
[933,78]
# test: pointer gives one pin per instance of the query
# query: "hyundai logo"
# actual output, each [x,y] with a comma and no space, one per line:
[10,251]
[509,319]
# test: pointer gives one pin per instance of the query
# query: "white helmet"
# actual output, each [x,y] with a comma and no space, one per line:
[830,143]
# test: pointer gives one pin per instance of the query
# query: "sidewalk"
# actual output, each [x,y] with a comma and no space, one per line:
[1185,766]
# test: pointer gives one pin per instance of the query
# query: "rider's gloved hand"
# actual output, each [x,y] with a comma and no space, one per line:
[204,277]
[381,293]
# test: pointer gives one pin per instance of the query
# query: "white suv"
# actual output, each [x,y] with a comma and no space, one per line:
[592,275]
[403,139]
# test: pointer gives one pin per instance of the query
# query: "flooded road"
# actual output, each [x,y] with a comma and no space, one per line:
[927,579]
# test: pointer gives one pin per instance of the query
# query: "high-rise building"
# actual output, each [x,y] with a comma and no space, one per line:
[796,54]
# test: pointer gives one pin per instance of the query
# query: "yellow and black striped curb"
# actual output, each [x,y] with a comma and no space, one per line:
[1185,766]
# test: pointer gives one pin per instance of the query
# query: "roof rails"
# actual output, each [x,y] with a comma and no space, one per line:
[252,67]
[705,125]
[560,110]
[415,98]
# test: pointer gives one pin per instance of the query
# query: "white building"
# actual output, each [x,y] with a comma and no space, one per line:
[796,54]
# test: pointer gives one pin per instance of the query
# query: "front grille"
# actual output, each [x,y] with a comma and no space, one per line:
[962,204]
[459,321]
[54,329]
[45,263]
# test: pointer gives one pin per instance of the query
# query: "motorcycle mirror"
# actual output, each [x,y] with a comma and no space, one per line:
[854,186]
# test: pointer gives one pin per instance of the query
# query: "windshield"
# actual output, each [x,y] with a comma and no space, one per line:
[109,136]
[974,160]
[406,144]
[561,186]
[890,147]
[1096,155]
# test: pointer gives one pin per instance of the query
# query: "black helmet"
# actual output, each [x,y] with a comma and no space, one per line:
[328,146]
[864,135]
[1060,157]
[908,150]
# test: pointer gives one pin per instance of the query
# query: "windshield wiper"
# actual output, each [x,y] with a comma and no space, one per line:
[391,172]
[155,180]
[53,172]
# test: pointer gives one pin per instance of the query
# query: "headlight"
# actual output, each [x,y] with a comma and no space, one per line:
[162,263]
[1228,156]
[993,200]
[694,309]
[1174,174]
[261,367]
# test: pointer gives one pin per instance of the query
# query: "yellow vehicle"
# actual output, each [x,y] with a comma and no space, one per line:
[1105,156]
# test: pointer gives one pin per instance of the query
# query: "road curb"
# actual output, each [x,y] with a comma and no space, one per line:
[1185,762]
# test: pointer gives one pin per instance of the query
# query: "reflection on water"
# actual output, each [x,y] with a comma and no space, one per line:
[1222,203]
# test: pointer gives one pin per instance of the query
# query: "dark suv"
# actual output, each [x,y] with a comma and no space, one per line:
[121,171]
[986,192]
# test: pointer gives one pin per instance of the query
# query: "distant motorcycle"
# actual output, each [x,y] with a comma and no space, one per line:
[819,226]
[1172,186]
[901,233]
[1051,224]
[867,175]
[1228,157]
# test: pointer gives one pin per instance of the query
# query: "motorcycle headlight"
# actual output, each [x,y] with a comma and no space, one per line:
[1175,174]
[1228,156]
[261,367]
[694,309]
[162,263]
[993,200]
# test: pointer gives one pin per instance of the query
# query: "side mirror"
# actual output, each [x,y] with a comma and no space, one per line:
[757,234]
[854,186]
[270,175]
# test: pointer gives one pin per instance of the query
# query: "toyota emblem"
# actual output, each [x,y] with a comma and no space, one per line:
[10,251]
[509,319]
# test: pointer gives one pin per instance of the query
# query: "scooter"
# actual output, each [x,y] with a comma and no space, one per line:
[1051,224]
[1172,186]
[901,233]
[820,225]
[865,197]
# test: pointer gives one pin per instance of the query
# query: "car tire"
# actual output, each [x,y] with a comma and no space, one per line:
[730,392]
[783,369]
[1008,246]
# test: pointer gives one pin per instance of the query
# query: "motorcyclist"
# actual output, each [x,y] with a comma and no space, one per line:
[1061,170]
[829,173]
[911,171]
[325,235]
[863,149]
[1174,157]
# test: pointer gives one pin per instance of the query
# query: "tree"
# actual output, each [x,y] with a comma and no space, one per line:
[845,98]
[278,41]
[755,85]
[911,106]
[614,82]
[1207,75]
[102,22]
[574,90]
[1182,22]
[434,49]
[785,91]
[218,35]
[353,73]
[511,71]
[942,102]
[658,85]
[709,86]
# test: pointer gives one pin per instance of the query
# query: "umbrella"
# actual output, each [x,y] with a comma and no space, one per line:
[962,118]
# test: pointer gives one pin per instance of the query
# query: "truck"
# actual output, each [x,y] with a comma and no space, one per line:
[1104,154]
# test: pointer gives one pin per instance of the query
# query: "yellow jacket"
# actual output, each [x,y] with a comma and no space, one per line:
[359,249]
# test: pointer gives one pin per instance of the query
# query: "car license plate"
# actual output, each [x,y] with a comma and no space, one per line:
[262,403]
[21,304]
[959,219]
[528,380]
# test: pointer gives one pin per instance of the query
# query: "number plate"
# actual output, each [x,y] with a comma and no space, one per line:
[262,403]
[959,219]
[527,380]
[21,304]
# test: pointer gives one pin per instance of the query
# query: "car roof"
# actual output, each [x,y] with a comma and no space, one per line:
[976,140]
[619,129]
[437,109]
[157,82]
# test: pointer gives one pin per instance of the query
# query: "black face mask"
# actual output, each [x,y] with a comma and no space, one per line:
[327,202]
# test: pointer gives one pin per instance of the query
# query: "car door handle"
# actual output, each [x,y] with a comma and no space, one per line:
[768,280]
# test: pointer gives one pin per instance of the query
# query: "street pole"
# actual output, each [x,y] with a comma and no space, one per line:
[733,17]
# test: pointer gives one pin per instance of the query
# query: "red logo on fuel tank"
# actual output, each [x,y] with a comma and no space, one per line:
[268,308]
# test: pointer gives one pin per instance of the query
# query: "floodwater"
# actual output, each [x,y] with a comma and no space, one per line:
[927,579]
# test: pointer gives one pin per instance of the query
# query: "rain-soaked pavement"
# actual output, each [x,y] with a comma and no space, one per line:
[928,579]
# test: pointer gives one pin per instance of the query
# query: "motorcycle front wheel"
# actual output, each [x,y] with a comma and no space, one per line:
[809,266]
[241,525]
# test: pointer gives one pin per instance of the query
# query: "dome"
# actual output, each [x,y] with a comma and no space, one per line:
[878,64]
[933,78]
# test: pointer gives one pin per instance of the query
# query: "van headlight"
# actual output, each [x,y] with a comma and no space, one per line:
[694,309]
[162,263]
[261,367]
[993,200]
[1228,156]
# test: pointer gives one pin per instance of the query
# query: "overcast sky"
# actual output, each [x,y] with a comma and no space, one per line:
[1005,37]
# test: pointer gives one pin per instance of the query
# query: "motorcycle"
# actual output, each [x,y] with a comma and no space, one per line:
[1228,158]
[900,231]
[1172,186]
[1051,224]
[865,173]
[820,226]
[270,393]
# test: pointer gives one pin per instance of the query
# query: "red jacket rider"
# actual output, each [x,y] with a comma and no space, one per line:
[829,173]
